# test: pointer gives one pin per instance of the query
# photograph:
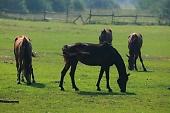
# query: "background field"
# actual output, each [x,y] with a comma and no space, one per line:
[147,92]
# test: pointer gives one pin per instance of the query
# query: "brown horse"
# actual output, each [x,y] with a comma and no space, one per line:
[106,36]
[23,57]
[135,41]
[103,55]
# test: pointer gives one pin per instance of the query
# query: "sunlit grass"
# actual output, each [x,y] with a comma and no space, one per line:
[147,92]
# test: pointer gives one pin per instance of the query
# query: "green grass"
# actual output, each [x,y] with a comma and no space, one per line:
[147,92]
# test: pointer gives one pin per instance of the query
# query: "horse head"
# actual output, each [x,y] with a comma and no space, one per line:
[122,82]
[131,62]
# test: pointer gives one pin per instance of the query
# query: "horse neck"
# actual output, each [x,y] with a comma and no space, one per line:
[120,65]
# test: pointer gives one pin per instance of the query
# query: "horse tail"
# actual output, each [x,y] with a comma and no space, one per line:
[65,53]
[27,48]
[69,53]
[27,58]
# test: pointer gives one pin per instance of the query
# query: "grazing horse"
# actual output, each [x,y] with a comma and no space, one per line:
[103,55]
[106,36]
[23,57]
[134,44]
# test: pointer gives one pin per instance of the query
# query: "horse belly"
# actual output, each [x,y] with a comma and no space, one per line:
[94,61]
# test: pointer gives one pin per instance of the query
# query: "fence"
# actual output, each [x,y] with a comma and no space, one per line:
[90,17]
[127,19]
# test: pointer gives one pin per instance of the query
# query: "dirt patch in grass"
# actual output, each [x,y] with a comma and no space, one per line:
[156,57]
[7,59]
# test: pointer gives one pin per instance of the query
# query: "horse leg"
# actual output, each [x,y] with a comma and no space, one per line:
[72,73]
[135,64]
[22,76]
[32,73]
[107,79]
[19,73]
[28,79]
[63,73]
[99,79]
[141,60]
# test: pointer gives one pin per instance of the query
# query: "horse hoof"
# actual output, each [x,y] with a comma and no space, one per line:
[76,89]
[29,83]
[98,89]
[110,90]
[62,89]
[18,83]
[123,91]
[145,70]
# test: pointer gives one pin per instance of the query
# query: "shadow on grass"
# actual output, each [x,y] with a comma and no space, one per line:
[103,93]
[148,71]
[38,85]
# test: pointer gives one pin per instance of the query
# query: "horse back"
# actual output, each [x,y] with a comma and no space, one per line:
[135,40]
[90,54]
[21,45]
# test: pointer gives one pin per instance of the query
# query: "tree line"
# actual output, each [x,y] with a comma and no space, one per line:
[159,7]
[53,5]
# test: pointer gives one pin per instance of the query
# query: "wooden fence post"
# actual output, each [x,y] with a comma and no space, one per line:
[67,15]
[159,20]
[44,15]
[136,17]
[112,17]
[90,15]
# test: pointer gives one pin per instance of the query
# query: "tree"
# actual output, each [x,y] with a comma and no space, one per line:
[58,5]
[13,5]
[165,8]
[104,4]
[77,5]
[161,8]
[36,5]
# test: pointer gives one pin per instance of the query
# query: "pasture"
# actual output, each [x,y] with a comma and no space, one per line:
[147,92]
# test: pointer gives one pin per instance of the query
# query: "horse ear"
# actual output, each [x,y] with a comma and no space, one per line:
[16,38]
[127,55]
[110,30]
[104,31]
[128,36]
[135,35]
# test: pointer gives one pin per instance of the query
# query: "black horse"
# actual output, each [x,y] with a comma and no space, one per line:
[135,42]
[103,55]
[106,36]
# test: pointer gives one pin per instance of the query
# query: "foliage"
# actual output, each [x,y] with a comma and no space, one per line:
[58,5]
[13,5]
[100,4]
[77,5]
[36,5]
[160,7]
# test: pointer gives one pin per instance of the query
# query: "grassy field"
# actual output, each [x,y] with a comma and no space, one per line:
[147,92]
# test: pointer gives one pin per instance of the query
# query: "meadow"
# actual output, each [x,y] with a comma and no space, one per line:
[147,92]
